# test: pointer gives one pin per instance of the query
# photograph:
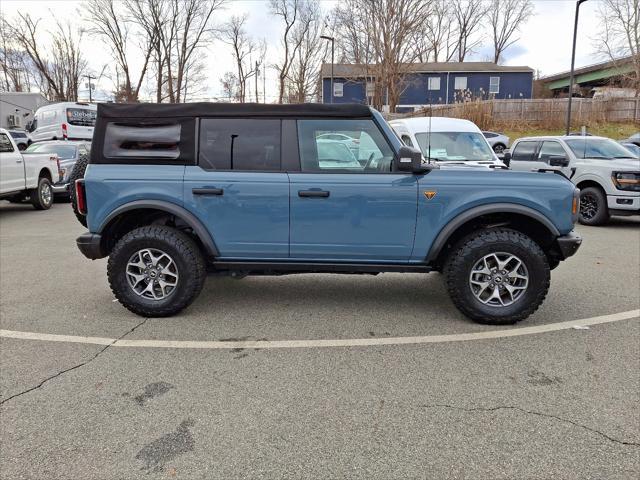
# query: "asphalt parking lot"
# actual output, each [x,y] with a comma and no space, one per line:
[333,388]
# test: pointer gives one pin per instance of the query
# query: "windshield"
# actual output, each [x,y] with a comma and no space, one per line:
[597,148]
[64,152]
[454,146]
[81,117]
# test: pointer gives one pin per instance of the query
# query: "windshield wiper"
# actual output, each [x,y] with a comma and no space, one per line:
[626,156]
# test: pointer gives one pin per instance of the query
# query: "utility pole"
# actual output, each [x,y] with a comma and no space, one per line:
[332,40]
[89,77]
[257,75]
[573,61]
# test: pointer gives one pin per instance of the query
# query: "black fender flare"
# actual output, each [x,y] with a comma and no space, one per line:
[180,212]
[462,218]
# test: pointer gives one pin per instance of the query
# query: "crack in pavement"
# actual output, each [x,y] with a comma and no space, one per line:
[62,372]
[531,412]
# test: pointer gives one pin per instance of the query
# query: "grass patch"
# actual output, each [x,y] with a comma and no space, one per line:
[617,131]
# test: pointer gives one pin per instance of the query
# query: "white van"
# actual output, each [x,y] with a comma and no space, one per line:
[64,121]
[448,141]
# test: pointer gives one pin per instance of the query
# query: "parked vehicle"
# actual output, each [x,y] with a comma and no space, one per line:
[607,174]
[447,141]
[26,176]
[63,121]
[22,138]
[498,141]
[635,139]
[259,193]
[68,153]
[632,147]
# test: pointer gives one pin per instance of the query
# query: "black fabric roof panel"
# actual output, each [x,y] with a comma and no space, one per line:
[168,110]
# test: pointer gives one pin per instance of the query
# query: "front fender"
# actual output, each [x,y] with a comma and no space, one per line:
[446,232]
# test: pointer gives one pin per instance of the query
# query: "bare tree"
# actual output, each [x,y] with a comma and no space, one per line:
[288,11]
[303,80]
[114,28]
[243,47]
[353,43]
[15,64]
[506,17]
[387,28]
[467,15]
[229,84]
[620,35]
[59,67]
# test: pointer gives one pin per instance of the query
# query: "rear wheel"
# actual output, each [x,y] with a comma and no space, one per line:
[593,207]
[499,148]
[497,276]
[42,195]
[156,271]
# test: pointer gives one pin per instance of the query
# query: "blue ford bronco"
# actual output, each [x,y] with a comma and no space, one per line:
[175,192]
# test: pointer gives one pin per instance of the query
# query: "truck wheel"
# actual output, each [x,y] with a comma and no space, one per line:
[156,271]
[42,195]
[78,172]
[497,277]
[593,207]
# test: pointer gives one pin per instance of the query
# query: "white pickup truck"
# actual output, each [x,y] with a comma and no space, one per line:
[607,174]
[30,175]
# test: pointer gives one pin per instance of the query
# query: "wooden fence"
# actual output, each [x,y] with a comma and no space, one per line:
[550,112]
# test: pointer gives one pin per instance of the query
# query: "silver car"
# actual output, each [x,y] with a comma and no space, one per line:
[498,141]
[68,153]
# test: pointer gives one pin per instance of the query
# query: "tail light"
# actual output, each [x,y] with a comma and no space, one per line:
[64,131]
[81,197]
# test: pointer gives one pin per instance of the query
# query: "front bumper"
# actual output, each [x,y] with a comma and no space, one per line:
[568,244]
[90,244]
[624,202]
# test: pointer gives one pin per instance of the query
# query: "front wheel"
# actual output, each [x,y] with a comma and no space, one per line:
[593,207]
[497,276]
[42,195]
[156,271]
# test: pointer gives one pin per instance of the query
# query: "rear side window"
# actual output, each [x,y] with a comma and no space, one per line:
[5,143]
[136,141]
[524,151]
[240,144]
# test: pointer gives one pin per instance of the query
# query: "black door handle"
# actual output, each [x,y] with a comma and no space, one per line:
[313,193]
[208,191]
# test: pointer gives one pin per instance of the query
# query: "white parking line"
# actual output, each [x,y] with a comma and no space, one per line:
[347,342]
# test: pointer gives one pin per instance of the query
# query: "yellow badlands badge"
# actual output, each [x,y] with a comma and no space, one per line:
[429,194]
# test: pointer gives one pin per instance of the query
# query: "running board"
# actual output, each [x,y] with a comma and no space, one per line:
[315,267]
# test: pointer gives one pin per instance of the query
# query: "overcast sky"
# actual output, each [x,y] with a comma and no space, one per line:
[544,45]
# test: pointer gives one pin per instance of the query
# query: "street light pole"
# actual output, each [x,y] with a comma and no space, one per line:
[331,39]
[573,61]
[89,77]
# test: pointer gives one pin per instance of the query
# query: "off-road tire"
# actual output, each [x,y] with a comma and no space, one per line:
[181,248]
[38,196]
[78,172]
[471,249]
[602,210]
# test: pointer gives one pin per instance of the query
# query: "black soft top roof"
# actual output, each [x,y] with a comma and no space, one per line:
[166,110]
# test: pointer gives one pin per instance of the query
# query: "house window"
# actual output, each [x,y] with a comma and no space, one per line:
[460,83]
[338,89]
[434,83]
[494,84]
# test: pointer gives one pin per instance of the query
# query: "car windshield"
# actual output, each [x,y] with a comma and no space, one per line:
[64,152]
[454,146]
[633,148]
[81,117]
[597,148]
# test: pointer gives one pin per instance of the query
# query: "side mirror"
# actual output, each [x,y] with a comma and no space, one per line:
[506,158]
[410,160]
[558,161]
